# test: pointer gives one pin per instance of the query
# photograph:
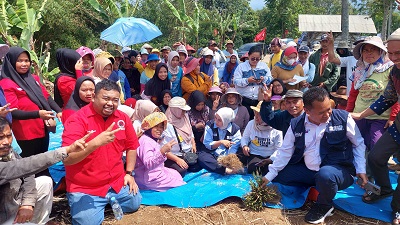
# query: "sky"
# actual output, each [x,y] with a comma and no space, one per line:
[257,4]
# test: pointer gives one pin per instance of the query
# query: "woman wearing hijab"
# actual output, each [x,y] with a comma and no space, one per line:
[149,71]
[164,99]
[34,105]
[175,73]
[83,94]
[158,83]
[221,137]
[132,74]
[65,81]
[278,87]
[369,81]
[229,69]
[102,69]
[287,68]
[259,142]
[143,108]
[207,67]
[233,100]
[180,130]
[150,172]
[199,115]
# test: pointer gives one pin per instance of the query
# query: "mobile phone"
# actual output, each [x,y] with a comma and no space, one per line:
[370,187]
[257,79]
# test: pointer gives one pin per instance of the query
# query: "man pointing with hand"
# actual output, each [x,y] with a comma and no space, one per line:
[97,174]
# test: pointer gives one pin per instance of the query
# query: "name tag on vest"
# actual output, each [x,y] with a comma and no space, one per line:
[298,134]
[335,128]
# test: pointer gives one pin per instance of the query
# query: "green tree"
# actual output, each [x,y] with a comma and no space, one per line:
[111,10]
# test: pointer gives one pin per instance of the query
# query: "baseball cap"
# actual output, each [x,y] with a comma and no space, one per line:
[324,37]
[304,48]
[294,94]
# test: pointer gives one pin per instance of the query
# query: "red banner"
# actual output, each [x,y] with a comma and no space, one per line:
[261,36]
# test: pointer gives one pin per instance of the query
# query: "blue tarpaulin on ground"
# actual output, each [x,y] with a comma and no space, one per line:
[205,189]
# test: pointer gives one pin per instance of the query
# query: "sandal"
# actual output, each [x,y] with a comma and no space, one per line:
[371,197]
[395,218]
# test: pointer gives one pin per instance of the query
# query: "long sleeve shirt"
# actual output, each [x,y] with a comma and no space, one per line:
[278,120]
[314,134]
[221,150]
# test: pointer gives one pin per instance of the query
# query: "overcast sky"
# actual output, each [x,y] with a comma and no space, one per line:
[257,4]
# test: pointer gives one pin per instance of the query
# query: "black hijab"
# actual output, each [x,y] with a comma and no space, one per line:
[24,81]
[75,102]
[194,99]
[283,87]
[66,60]
[160,100]
[155,85]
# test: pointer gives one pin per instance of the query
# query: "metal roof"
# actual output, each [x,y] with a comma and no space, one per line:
[324,23]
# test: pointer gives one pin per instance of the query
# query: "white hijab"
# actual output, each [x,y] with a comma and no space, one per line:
[227,116]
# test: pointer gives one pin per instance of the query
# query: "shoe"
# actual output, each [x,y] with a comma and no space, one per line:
[318,213]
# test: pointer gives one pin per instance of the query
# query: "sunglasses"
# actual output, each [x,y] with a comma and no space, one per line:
[255,59]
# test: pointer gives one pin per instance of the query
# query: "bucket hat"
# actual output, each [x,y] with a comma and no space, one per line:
[374,40]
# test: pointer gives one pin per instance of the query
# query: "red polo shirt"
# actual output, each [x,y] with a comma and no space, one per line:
[103,168]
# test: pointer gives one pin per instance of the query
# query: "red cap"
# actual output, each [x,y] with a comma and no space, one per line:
[290,50]
[131,102]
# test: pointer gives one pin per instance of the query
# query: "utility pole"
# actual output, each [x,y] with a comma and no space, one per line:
[345,21]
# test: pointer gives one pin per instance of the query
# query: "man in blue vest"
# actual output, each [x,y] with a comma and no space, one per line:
[322,148]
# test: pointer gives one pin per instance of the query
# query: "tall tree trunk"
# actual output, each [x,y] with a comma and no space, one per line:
[386,9]
[345,20]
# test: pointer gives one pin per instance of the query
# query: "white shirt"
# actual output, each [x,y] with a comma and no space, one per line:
[169,135]
[350,63]
[313,136]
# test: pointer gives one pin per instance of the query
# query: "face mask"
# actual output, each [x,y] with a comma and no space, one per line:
[291,61]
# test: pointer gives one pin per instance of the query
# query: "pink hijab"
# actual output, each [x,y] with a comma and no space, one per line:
[181,123]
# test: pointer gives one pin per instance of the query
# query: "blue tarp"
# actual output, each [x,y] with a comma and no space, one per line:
[205,189]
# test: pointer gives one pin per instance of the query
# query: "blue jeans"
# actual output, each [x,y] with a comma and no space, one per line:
[89,209]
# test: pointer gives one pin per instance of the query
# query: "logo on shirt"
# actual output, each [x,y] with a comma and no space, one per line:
[298,134]
[335,128]
[121,124]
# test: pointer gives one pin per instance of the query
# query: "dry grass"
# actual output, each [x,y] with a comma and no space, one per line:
[228,212]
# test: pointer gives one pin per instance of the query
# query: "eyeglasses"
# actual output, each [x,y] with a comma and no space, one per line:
[255,59]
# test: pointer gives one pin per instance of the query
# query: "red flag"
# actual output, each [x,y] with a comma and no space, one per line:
[261,36]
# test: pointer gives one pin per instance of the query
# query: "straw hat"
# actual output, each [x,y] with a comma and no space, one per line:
[258,107]
[153,120]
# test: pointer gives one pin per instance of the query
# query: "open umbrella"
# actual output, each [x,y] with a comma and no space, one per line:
[130,30]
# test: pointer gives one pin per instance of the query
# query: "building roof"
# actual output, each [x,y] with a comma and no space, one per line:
[323,23]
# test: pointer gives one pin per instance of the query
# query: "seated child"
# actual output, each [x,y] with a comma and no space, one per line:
[259,142]
[221,137]
[150,172]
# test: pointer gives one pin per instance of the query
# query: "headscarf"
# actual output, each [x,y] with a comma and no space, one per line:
[75,102]
[24,81]
[160,98]
[181,124]
[66,60]
[227,116]
[206,68]
[283,63]
[231,66]
[143,108]
[155,85]
[99,65]
[364,70]
[127,110]
[173,70]
[197,116]
[283,87]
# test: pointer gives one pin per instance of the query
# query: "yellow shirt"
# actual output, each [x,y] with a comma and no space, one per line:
[275,58]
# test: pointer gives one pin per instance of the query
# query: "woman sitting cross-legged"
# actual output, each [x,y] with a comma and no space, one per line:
[150,172]
[221,137]
[259,142]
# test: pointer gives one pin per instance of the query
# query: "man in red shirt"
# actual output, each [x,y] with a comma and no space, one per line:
[97,174]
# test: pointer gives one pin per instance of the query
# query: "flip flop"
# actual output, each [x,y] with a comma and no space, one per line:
[374,197]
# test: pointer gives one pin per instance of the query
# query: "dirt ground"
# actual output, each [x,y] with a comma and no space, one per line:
[228,211]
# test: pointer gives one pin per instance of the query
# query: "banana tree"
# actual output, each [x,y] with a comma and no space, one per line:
[112,9]
[27,21]
[188,23]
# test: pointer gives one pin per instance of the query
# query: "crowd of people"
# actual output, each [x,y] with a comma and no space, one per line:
[140,120]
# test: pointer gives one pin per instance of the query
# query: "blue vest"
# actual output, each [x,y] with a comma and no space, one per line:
[228,135]
[335,148]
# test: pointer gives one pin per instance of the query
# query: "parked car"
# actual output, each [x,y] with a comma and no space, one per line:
[246,47]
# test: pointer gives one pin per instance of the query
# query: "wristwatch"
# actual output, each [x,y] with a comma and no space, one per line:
[132,173]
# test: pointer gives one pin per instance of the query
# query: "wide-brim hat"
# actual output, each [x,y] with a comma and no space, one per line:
[166,48]
[340,93]
[258,107]
[83,50]
[215,89]
[152,57]
[190,64]
[229,42]
[178,102]
[294,94]
[374,40]
[231,91]
[147,46]
[189,48]
[342,44]
[143,51]
[395,36]
[153,120]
